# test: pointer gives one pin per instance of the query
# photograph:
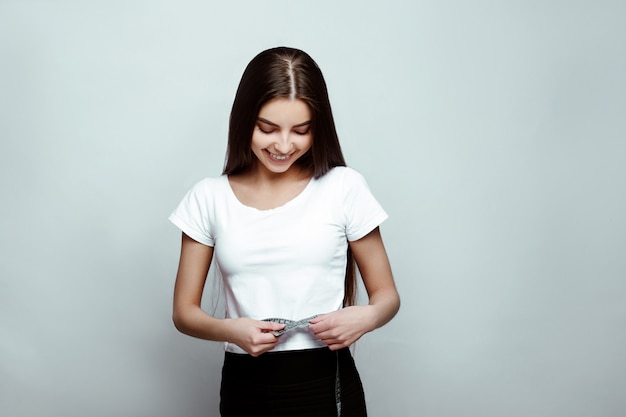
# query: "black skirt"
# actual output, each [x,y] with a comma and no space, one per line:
[303,383]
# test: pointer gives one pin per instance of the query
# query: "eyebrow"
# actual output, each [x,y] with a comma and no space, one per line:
[267,122]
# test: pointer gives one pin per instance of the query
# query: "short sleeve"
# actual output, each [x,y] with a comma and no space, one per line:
[362,210]
[193,214]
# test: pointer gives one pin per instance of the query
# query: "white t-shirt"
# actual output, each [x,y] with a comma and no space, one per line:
[287,262]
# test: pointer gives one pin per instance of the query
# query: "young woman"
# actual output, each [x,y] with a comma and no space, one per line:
[285,223]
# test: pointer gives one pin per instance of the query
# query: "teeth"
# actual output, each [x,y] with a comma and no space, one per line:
[279,157]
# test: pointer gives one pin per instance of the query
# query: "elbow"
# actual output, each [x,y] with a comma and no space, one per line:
[388,305]
[394,304]
[398,303]
[178,321]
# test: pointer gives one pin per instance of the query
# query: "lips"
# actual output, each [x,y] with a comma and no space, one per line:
[278,158]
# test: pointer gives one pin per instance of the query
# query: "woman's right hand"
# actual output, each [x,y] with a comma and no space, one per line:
[253,336]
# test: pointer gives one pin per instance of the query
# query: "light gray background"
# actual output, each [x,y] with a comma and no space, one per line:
[494,133]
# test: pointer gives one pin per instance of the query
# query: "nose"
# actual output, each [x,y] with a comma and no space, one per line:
[284,144]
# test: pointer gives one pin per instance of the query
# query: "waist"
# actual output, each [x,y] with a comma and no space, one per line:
[286,367]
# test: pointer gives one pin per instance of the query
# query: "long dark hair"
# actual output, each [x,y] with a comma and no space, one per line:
[282,73]
[286,73]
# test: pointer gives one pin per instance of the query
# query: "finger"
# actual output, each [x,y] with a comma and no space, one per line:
[330,338]
[318,328]
[323,330]
[337,346]
[263,342]
[270,336]
[337,342]
[318,319]
[270,325]
[260,349]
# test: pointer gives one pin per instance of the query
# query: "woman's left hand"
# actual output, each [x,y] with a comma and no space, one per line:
[342,328]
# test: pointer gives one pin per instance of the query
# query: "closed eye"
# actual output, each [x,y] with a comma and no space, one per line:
[267,127]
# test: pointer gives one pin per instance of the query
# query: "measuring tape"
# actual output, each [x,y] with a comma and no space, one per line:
[294,324]
[290,324]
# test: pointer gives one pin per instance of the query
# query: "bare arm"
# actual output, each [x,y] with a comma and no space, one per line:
[251,335]
[342,328]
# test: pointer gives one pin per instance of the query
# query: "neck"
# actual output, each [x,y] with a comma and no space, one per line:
[263,177]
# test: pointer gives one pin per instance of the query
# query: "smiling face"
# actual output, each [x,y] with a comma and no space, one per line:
[283,133]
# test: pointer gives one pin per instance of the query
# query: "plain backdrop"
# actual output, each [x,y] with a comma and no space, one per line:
[493,132]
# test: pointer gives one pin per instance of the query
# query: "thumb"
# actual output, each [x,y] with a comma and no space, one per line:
[317,319]
[270,325]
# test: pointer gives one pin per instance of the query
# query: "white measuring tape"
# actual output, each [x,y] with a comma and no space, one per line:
[294,324]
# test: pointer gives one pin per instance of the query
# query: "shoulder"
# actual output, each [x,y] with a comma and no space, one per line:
[343,182]
[210,185]
[343,173]
[206,192]
[212,181]
[344,179]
